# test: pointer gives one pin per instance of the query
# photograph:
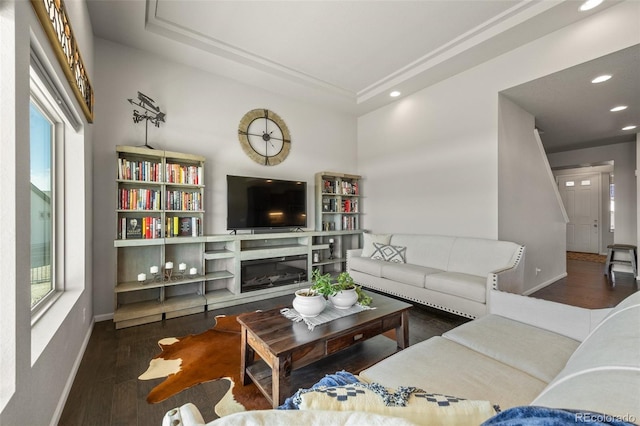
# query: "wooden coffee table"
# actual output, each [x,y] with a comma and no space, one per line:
[284,346]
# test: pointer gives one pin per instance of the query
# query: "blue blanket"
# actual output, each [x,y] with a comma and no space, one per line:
[338,379]
[543,416]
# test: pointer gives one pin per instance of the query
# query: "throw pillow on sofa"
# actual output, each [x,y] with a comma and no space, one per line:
[388,253]
[406,402]
[368,240]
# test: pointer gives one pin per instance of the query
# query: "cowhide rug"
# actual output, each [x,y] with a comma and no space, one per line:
[198,358]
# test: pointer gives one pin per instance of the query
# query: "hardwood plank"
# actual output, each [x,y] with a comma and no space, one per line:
[124,410]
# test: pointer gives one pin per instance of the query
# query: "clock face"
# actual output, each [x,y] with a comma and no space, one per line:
[264,137]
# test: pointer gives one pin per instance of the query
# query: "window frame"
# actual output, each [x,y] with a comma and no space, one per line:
[48,104]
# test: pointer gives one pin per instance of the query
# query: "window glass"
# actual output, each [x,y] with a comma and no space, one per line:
[42,220]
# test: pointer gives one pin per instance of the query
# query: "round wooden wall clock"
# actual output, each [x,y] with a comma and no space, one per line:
[264,137]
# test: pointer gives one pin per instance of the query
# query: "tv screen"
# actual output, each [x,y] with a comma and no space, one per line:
[258,203]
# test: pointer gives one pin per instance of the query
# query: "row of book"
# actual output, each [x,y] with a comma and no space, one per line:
[350,223]
[139,227]
[330,205]
[146,171]
[151,227]
[183,227]
[184,200]
[340,187]
[181,173]
[350,206]
[138,199]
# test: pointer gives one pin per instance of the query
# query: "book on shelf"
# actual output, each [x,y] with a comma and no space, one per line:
[139,227]
[183,173]
[328,226]
[188,227]
[183,226]
[184,200]
[138,199]
[350,223]
[133,228]
[350,206]
[146,171]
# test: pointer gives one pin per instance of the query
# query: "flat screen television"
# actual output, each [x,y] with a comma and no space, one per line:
[259,203]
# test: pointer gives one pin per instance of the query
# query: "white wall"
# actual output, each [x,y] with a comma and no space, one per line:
[430,160]
[203,112]
[529,211]
[38,362]
[624,168]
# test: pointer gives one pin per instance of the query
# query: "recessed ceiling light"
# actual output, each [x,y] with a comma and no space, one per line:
[601,78]
[394,94]
[590,4]
[629,127]
[618,108]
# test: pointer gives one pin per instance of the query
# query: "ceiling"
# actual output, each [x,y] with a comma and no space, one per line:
[349,55]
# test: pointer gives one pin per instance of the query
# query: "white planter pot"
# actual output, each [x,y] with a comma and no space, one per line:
[344,299]
[308,306]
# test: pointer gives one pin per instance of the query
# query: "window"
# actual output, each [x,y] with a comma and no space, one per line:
[41,130]
[612,206]
[46,153]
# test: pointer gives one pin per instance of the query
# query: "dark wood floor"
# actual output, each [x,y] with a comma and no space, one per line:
[587,286]
[106,390]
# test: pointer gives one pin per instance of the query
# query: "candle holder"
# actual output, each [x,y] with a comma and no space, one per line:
[155,271]
[167,274]
[331,248]
[182,269]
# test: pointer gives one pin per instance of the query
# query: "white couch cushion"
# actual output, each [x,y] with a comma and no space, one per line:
[458,284]
[477,256]
[367,265]
[431,251]
[439,365]
[406,273]
[541,353]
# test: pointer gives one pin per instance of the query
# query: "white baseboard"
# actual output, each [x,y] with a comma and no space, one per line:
[104,317]
[544,284]
[67,388]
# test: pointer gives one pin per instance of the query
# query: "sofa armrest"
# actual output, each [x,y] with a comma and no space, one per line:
[351,254]
[510,279]
[186,415]
[570,321]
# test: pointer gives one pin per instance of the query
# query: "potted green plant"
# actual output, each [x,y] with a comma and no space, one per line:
[343,293]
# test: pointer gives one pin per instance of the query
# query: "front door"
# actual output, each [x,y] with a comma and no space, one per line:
[581,197]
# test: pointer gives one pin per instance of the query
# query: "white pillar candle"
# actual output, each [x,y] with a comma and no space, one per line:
[193,271]
[142,277]
[182,267]
[153,269]
[168,265]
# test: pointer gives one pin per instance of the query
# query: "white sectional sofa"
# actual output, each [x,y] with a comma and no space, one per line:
[449,273]
[525,352]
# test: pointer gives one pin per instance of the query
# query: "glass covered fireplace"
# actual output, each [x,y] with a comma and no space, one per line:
[272,272]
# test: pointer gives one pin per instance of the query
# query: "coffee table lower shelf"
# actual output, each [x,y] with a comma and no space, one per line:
[353,359]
